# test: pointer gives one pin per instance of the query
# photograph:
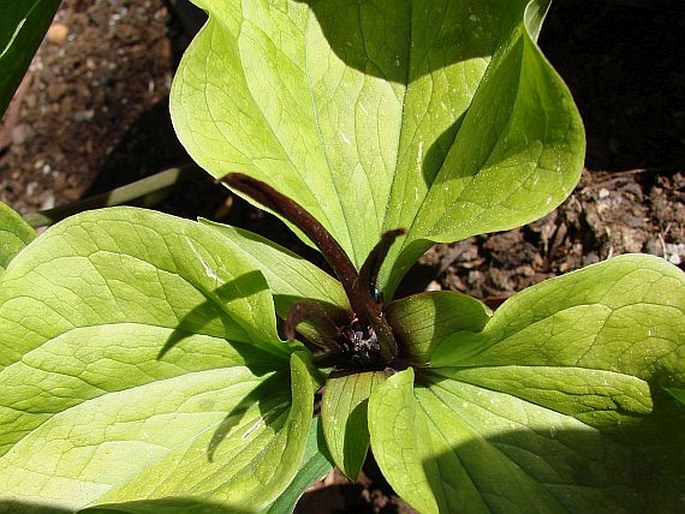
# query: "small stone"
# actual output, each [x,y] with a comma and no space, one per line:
[48,200]
[633,221]
[675,259]
[590,258]
[632,240]
[674,253]
[434,285]
[84,115]
[57,33]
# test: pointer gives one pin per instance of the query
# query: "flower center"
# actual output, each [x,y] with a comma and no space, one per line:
[360,346]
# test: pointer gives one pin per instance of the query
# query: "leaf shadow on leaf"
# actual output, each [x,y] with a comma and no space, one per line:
[166,505]
[260,396]
[243,286]
[356,433]
[16,507]
[372,36]
[630,467]
[430,167]
[256,359]
[596,476]
[500,96]
[161,506]
[661,433]
[450,314]
[437,152]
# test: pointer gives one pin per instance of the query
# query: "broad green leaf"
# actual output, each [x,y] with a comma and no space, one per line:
[625,315]
[399,439]
[559,404]
[522,456]
[254,459]
[125,266]
[224,435]
[22,26]
[221,435]
[140,360]
[422,322]
[344,417]
[441,117]
[602,344]
[15,234]
[315,465]
[449,446]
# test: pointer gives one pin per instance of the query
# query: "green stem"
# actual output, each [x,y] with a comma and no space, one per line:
[118,196]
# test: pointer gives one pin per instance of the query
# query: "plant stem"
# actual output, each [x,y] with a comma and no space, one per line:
[118,196]
[361,300]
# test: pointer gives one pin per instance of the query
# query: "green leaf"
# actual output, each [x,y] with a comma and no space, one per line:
[15,234]
[223,436]
[315,465]
[422,322]
[439,117]
[140,360]
[625,315]
[128,266]
[290,277]
[497,452]
[677,393]
[512,156]
[161,506]
[399,439]
[22,26]
[453,447]
[344,417]
[558,405]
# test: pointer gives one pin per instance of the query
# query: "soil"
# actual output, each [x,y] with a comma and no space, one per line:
[92,114]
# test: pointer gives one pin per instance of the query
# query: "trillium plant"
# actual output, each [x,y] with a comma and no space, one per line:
[154,364]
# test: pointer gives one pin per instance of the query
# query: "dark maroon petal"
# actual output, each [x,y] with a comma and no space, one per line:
[317,316]
[364,306]
[372,265]
[298,216]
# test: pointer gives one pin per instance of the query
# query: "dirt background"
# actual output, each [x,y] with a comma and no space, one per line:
[92,114]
